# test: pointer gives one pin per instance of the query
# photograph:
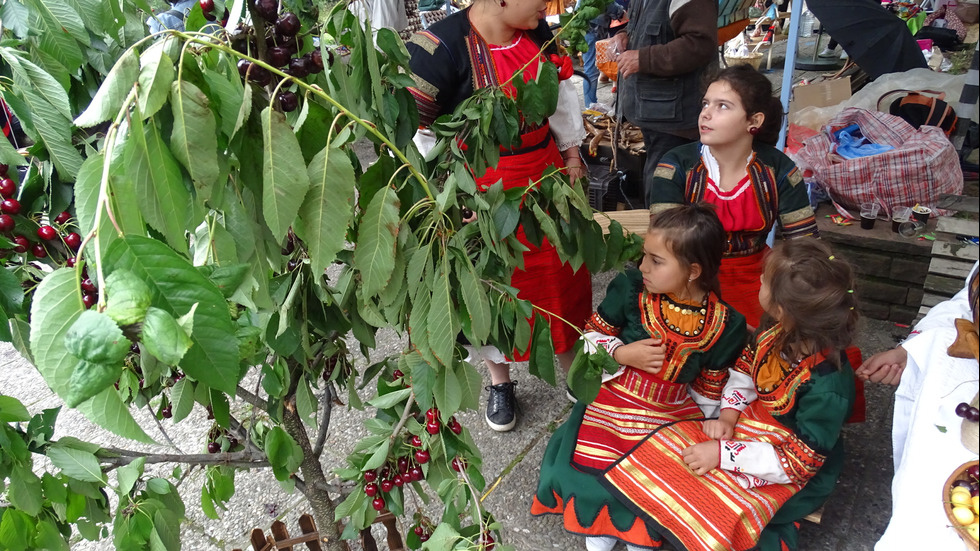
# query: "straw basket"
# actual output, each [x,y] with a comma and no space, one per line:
[753,58]
[958,474]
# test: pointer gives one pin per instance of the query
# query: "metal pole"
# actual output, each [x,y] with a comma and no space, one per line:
[789,65]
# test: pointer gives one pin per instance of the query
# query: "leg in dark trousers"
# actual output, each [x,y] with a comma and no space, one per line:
[656,143]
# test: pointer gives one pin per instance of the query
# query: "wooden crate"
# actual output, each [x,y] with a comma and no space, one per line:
[952,259]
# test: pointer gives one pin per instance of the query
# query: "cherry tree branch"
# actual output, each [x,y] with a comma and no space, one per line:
[117,457]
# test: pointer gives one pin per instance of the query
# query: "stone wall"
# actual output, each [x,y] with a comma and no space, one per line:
[890,269]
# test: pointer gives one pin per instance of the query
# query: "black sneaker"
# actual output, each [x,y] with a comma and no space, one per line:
[502,407]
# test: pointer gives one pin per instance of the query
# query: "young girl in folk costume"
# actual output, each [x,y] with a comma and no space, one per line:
[675,341]
[484,45]
[774,454]
[735,167]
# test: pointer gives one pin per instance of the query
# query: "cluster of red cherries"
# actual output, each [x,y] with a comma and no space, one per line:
[283,44]
[55,238]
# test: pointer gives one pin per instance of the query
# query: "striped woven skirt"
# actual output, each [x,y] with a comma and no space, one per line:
[718,511]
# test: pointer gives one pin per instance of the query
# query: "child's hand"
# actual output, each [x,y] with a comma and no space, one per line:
[884,367]
[718,429]
[646,355]
[702,457]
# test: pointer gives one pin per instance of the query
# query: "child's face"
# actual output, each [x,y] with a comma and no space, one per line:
[662,271]
[723,120]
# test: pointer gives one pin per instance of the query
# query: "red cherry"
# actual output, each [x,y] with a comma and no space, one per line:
[418,530]
[397,374]
[416,473]
[10,206]
[70,262]
[7,223]
[89,299]
[488,541]
[3,169]
[167,412]
[207,6]
[73,241]
[38,250]
[432,415]
[402,465]
[454,426]
[432,428]
[378,503]
[7,187]
[422,456]
[398,480]
[459,464]
[416,441]
[370,476]
[63,217]
[385,472]
[425,537]
[20,244]
[371,489]
[47,233]
[214,447]
[386,485]
[87,285]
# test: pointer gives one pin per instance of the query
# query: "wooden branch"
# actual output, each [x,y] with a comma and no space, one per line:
[326,403]
[116,457]
[251,398]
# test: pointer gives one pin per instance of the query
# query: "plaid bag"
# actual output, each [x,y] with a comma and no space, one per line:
[923,165]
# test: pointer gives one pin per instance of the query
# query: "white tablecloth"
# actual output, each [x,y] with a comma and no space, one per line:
[931,388]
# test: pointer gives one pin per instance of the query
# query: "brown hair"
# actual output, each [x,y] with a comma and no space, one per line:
[755,91]
[815,292]
[694,234]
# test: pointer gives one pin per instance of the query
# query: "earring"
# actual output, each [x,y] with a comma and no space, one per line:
[753,130]
[503,3]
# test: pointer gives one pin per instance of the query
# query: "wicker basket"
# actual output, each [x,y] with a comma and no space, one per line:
[958,474]
[754,59]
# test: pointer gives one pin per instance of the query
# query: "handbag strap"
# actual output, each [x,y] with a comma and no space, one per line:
[911,93]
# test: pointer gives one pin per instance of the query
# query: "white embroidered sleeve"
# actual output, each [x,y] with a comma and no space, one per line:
[739,391]
[754,460]
[566,123]
[709,408]
[595,339]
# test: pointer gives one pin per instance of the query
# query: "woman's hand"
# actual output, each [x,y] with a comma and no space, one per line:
[884,367]
[718,429]
[576,171]
[646,355]
[702,457]
[574,165]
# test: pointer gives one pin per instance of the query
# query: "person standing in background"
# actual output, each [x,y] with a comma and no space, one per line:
[668,47]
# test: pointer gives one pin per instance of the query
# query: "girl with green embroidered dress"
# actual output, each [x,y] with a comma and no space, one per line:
[775,452]
[675,341]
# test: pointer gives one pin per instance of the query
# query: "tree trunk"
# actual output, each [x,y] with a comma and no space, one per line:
[316,482]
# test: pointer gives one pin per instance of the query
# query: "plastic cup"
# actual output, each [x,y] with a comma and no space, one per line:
[911,228]
[869,213]
[900,213]
[921,213]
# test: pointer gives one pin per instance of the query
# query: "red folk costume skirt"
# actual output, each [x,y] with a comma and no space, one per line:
[740,283]
[712,512]
[545,281]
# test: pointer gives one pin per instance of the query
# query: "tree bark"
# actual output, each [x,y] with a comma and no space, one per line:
[316,482]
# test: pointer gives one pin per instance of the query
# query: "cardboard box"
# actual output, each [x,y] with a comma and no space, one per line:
[820,94]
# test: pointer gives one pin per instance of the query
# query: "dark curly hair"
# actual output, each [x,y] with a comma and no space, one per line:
[815,292]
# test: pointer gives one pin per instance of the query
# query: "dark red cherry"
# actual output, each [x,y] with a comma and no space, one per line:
[10,206]
[38,250]
[370,476]
[73,241]
[422,456]
[288,101]
[415,441]
[371,489]
[287,24]
[7,187]
[378,503]
[7,223]
[20,244]
[277,56]
[207,6]
[63,217]
[47,233]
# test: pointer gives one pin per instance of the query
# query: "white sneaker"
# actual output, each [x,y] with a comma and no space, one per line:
[600,543]
[827,52]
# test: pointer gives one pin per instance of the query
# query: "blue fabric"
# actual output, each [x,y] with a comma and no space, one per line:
[851,144]
[591,81]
